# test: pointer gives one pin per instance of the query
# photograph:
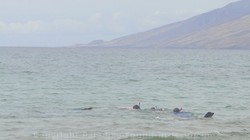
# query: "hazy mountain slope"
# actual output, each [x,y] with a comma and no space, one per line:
[181,34]
[233,34]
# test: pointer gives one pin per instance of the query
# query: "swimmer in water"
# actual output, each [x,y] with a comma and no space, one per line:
[137,106]
[207,115]
[177,110]
[156,109]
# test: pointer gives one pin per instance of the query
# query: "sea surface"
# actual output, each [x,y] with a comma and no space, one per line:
[43,92]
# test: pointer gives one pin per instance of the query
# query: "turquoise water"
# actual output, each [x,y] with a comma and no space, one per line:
[42,89]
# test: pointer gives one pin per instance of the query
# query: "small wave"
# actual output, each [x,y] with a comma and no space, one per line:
[133,80]
[162,79]
[244,135]
[3,100]
[28,72]
[190,136]
[151,138]
[8,117]
[55,93]
[228,106]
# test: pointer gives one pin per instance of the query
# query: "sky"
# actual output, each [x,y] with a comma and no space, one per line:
[52,23]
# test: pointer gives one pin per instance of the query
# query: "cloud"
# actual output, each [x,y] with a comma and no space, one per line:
[18,27]
[66,25]
[58,25]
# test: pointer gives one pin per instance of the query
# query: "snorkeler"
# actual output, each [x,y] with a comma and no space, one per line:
[178,111]
[156,109]
[137,106]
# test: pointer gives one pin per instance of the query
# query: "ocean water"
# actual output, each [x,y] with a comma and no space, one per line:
[42,91]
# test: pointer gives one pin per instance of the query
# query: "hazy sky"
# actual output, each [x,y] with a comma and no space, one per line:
[67,22]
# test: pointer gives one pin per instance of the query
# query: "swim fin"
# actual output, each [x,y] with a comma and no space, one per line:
[209,115]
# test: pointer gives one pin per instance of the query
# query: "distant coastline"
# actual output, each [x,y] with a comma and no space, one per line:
[223,28]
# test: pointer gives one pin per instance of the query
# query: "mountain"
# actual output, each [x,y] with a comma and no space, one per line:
[227,27]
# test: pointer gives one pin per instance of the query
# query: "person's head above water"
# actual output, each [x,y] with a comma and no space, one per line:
[156,109]
[177,110]
[153,108]
[136,107]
